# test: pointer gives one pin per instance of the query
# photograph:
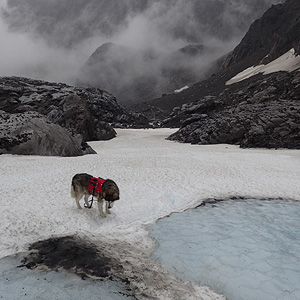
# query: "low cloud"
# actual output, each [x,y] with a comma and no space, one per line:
[52,40]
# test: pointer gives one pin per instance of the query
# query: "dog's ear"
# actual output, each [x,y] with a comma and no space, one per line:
[116,196]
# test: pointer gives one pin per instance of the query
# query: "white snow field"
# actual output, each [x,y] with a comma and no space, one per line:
[156,177]
[289,61]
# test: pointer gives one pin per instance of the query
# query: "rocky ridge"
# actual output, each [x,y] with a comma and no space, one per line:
[262,111]
[38,117]
[275,33]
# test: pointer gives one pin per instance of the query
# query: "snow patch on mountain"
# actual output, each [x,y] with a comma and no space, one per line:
[289,61]
[181,89]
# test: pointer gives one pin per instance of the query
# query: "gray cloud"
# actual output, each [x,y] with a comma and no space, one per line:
[52,40]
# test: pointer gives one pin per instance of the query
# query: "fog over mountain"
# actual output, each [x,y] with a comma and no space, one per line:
[53,39]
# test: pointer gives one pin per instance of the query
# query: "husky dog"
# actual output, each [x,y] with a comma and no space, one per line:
[104,190]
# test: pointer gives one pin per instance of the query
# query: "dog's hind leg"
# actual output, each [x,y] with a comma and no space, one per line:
[100,207]
[86,200]
[76,195]
[77,202]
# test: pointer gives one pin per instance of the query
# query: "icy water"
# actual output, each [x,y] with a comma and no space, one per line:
[243,249]
[21,283]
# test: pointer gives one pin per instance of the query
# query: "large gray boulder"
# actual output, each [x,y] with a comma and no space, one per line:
[68,116]
[30,134]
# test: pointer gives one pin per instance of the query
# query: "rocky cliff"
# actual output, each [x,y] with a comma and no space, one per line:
[43,118]
[275,33]
[259,112]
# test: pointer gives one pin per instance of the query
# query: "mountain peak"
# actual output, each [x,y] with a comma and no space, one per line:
[269,37]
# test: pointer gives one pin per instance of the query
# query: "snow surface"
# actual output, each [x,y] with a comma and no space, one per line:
[181,89]
[156,177]
[286,62]
[251,247]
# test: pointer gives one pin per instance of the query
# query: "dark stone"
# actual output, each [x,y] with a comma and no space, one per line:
[30,134]
[71,115]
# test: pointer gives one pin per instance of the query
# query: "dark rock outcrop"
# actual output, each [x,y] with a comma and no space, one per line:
[275,33]
[70,253]
[259,112]
[29,133]
[68,117]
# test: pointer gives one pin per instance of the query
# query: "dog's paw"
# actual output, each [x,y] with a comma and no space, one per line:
[103,215]
[108,211]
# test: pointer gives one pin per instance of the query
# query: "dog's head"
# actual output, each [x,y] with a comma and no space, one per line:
[110,192]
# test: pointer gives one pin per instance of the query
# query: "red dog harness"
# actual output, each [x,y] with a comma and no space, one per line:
[95,185]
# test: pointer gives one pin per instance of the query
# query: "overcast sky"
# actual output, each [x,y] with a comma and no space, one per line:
[28,50]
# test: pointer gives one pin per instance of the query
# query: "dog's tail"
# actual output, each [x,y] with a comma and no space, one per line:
[73,194]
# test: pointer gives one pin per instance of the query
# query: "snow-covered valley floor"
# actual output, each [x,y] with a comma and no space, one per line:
[156,177]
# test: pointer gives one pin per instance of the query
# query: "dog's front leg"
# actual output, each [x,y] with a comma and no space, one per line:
[100,207]
[107,207]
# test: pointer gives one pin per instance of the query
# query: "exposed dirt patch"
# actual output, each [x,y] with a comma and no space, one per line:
[70,253]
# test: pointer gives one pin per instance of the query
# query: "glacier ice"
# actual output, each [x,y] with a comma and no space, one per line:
[22,283]
[243,249]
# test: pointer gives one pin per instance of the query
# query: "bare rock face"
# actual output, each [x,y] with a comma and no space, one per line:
[275,33]
[258,112]
[44,118]
[30,134]
[74,114]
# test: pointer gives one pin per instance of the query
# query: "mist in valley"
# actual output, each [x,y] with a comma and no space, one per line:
[135,49]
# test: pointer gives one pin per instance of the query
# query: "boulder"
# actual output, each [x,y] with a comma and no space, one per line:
[29,133]
[68,117]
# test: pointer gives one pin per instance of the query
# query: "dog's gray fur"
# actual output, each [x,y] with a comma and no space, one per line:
[80,188]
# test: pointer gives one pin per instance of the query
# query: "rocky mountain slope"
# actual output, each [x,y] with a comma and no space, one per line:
[43,118]
[261,111]
[269,37]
